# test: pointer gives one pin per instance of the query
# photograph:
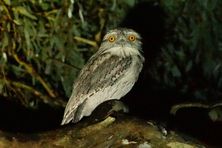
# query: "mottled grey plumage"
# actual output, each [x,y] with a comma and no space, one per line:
[109,74]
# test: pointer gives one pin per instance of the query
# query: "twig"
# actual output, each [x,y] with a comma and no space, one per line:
[87,41]
[175,108]
[65,64]
[33,73]
[44,98]
[216,105]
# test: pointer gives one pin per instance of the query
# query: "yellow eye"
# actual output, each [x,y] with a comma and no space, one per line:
[111,38]
[131,38]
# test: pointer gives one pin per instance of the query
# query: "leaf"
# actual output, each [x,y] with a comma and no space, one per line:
[3,59]
[212,5]
[175,71]
[5,40]
[189,66]
[21,10]
[17,22]
[2,86]
[27,35]
[215,114]
[130,2]
[8,2]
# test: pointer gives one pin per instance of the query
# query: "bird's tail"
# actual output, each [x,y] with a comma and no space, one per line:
[73,115]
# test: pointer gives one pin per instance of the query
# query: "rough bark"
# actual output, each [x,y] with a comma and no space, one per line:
[111,132]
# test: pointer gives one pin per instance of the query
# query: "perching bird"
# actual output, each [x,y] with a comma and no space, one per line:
[109,74]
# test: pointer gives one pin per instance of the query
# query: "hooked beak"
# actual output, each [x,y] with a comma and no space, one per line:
[121,42]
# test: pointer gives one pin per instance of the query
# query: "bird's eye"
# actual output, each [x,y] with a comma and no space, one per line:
[111,38]
[131,38]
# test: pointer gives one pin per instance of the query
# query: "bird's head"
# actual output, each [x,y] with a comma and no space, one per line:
[121,41]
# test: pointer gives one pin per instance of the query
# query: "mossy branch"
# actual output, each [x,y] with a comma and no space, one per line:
[111,132]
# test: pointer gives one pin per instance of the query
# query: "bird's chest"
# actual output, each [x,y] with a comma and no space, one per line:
[125,84]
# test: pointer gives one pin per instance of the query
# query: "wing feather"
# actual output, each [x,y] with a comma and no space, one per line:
[100,72]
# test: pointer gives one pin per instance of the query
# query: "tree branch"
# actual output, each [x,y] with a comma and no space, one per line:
[86,41]
[33,73]
[111,132]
